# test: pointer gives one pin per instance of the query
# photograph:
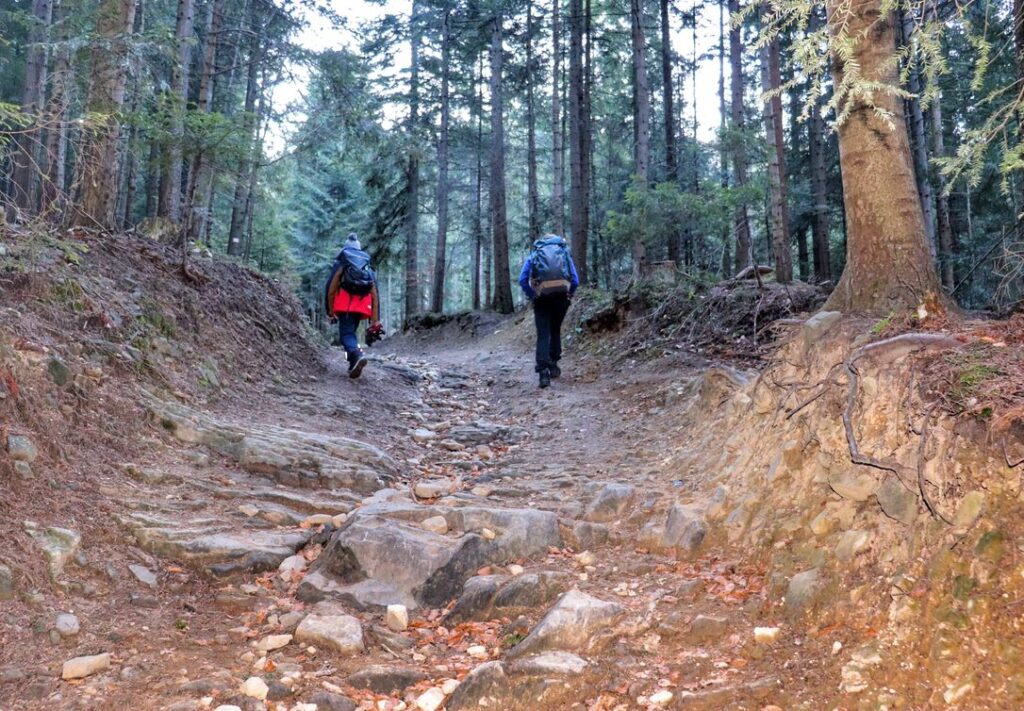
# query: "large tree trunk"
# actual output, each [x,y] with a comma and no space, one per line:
[557,150]
[241,198]
[412,215]
[62,83]
[770,82]
[888,263]
[200,174]
[170,185]
[532,194]
[27,155]
[478,224]
[577,145]
[437,298]
[499,218]
[671,167]
[741,222]
[98,159]
[723,154]
[641,121]
[586,143]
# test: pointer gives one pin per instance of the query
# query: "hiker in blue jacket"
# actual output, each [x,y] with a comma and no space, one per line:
[549,280]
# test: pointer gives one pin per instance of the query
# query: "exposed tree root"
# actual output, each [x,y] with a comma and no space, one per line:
[889,351]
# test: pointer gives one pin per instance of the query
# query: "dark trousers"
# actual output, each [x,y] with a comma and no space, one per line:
[348,324]
[548,314]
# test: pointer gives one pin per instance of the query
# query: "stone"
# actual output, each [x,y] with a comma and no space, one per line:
[430,700]
[423,435]
[81,667]
[24,470]
[432,489]
[515,569]
[610,504]
[681,535]
[21,448]
[67,625]
[328,625]
[386,679]
[328,701]
[435,524]
[586,558]
[707,628]
[551,680]
[397,618]
[6,583]
[291,568]
[377,560]
[488,596]
[318,520]
[817,326]
[660,698]
[582,535]
[254,687]
[852,485]
[852,543]
[970,509]
[897,501]
[477,651]
[249,510]
[59,546]
[576,623]
[766,635]
[475,601]
[272,642]
[803,591]
[144,575]
[483,432]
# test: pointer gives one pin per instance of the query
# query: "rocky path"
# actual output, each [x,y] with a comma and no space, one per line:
[473,544]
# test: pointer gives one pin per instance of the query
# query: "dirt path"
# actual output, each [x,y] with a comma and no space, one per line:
[234,495]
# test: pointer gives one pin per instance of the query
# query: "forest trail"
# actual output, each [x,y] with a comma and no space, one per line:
[540,492]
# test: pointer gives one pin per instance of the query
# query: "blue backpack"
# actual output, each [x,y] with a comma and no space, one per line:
[550,272]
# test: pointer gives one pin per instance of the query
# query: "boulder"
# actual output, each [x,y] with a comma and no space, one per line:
[545,681]
[577,623]
[817,326]
[488,596]
[582,535]
[707,628]
[329,625]
[897,501]
[610,504]
[376,560]
[144,575]
[327,701]
[484,432]
[681,535]
[853,485]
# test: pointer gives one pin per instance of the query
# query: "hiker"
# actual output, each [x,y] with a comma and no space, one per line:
[351,297]
[549,280]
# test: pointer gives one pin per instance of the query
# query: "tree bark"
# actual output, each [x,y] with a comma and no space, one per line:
[888,264]
[741,221]
[499,219]
[770,82]
[437,298]
[62,83]
[671,166]
[919,138]
[241,198]
[478,225]
[200,175]
[412,215]
[27,156]
[170,185]
[99,160]
[532,195]
[641,122]
[944,223]
[577,145]
[723,154]
[557,149]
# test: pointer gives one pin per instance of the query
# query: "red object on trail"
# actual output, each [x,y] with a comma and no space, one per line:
[346,303]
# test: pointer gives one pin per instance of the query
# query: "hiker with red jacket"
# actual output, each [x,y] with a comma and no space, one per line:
[351,297]
[549,280]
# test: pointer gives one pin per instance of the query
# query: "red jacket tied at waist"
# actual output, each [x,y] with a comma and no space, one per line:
[346,303]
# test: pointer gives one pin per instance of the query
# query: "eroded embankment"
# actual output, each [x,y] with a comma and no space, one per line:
[876,508]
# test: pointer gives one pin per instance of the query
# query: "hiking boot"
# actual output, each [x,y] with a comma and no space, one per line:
[555,371]
[545,378]
[355,367]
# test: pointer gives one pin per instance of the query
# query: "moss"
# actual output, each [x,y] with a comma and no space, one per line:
[963,586]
